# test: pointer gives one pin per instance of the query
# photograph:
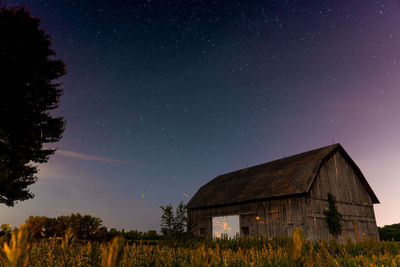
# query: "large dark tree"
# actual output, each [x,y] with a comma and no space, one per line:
[28,92]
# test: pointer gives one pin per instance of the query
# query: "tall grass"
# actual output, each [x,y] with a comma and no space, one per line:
[294,251]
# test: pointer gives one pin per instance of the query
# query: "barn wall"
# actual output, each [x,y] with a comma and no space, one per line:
[339,178]
[264,218]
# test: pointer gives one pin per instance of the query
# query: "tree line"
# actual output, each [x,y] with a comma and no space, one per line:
[84,228]
[390,232]
[89,228]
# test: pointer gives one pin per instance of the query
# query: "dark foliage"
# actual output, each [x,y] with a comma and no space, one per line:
[28,94]
[174,224]
[390,232]
[5,231]
[133,235]
[84,228]
[167,219]
[180,220]
[333,217]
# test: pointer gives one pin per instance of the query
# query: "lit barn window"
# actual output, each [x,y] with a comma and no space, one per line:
[225,226]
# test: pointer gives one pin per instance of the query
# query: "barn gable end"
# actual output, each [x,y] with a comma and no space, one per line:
[355,202]
[338,177]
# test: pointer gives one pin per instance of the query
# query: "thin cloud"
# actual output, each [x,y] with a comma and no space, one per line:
[82,156]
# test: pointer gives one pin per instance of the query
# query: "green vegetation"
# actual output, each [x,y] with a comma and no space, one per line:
[390,232]
[333,217]
[293,251]
[83,227]
[174,224]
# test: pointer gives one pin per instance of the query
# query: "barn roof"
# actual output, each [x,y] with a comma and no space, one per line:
[284,177]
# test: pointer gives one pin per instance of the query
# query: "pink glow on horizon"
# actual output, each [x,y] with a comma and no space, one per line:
[82,156]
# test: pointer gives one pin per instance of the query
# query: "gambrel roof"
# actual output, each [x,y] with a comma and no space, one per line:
[284,177]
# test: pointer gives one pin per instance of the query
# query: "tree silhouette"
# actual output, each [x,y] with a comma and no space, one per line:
[167,220]
[28,94]
[180,220]
[174,224]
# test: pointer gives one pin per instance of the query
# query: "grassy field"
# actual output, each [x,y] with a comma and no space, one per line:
[293,251]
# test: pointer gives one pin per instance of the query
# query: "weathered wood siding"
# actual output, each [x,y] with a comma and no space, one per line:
[354,203]
[279,217]
[264,218]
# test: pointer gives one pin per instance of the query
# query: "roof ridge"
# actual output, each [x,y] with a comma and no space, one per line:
[336,145]
[284,176]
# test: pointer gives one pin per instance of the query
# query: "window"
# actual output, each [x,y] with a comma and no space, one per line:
[225,226]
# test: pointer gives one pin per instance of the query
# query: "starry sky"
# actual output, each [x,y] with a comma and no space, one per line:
[162,96]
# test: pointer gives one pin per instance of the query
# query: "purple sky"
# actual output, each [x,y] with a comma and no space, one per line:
[160,97]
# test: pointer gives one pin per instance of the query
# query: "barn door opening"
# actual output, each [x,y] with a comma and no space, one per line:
[225,226]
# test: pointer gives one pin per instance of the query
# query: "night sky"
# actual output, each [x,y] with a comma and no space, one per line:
[162,96]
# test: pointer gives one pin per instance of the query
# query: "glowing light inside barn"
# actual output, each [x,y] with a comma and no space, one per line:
[225,226]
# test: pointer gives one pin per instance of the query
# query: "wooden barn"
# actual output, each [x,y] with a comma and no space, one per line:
[273,198]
